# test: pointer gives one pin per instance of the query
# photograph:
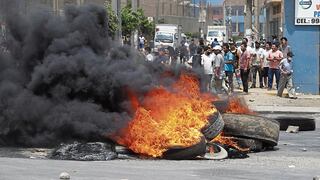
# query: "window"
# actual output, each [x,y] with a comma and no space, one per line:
[276,9]
[240,10]
[217,10]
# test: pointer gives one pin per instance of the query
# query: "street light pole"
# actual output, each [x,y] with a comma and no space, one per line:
[134,34]
[157,11]
[248,20]
[116,6]
[257,19]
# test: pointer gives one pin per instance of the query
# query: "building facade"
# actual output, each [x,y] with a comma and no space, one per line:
[305,44]
[274,19]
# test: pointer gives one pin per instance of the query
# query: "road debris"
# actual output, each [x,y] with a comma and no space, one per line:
[292,129]
[64,175]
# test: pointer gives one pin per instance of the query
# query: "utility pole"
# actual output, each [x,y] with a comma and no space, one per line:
[55,7]
[116,7]
[257,19]
[157,11]
[248,20]
[237,23]
[79,2]
[134,34]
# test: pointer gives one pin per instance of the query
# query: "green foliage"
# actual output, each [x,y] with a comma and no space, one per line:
[135,20]
[130,21]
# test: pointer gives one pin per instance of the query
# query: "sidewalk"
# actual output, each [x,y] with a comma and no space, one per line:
[263,101]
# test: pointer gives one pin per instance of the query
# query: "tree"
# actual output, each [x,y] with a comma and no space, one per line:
[130,21]
[135,20]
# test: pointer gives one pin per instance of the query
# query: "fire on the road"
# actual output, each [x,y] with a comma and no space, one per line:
[168,118]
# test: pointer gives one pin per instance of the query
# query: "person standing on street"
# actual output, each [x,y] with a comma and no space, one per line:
[218,72]
[265,70]
[256,65]
[207,63]
[229,61]
[215,43]
[149,56]
[284,47]
[141,42]
[244,63]
[193,48]
[162,57]
[286,71]
[236,54]
[274,58]
[196,60]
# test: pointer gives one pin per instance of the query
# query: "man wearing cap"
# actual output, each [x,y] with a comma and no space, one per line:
[286,72]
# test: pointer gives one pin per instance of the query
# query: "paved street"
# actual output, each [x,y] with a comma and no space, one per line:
[297,157]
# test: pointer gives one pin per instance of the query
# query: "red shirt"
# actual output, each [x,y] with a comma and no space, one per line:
[274,63]
[245,60]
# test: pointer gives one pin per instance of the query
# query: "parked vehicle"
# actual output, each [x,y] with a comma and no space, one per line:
[166,35]
[218,32]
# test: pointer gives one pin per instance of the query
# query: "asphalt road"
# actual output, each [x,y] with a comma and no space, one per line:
[297,157]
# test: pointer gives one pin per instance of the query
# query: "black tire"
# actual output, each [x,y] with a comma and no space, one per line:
[253,127]
[253,145]
[305,124]
[122,150]
[185,153]
[214,127]
[218,154]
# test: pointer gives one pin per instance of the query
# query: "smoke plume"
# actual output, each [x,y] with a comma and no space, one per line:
[63,79]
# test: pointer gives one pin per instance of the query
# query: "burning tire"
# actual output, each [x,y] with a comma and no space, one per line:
[253,127]
[214,128]
[221,105]
[184,153]
[218,154]
[305,124]
[253,145]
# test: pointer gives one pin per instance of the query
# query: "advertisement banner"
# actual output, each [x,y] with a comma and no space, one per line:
[307,12]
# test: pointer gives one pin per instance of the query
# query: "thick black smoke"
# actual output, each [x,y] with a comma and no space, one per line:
[64,80]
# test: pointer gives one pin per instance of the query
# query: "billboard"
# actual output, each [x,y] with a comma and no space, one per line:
[307,12]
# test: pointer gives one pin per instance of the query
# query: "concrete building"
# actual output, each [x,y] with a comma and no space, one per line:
[232,13]
[183,12]
[274,18]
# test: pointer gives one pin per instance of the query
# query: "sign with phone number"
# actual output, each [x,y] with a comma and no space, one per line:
[307,12]
[307,21]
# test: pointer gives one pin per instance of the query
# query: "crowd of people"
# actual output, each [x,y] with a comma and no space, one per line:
[227,66]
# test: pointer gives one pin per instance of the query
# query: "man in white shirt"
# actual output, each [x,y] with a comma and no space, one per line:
[149,56]
[218,73]
[256,65]
[265,70]
[141,42]
[207,63]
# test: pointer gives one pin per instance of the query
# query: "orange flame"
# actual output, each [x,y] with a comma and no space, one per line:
[168,117]
[236,105]
[221,139]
